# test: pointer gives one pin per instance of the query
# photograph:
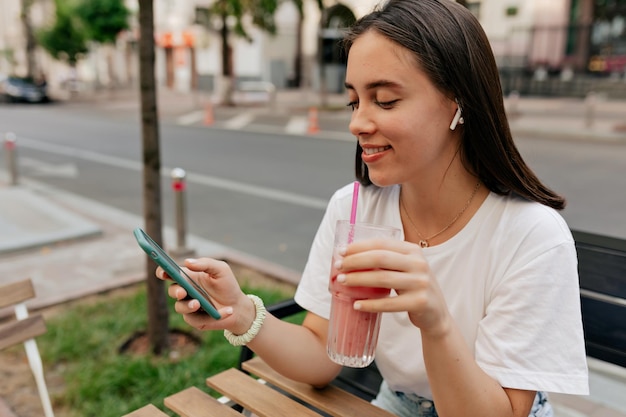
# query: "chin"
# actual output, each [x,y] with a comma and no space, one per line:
[381,181]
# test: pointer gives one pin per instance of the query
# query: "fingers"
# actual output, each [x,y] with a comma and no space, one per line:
[174,291]
[161,274]
[190,306]
[197,318]
[177,292]
[388,255]
[187,306]
[210,266]
[413,301]
[197,268]
[383,278]
[396,265]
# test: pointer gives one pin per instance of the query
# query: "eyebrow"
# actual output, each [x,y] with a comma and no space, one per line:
[376,84]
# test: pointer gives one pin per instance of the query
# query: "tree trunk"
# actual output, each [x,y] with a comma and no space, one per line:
[297,65]
[228,77]
[158,313]
[31,43]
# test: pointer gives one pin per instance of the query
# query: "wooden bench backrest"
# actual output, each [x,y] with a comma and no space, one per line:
[16,292]
[602,274]
[13,332]
[24,328]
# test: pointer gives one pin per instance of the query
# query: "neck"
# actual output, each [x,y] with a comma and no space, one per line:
[434,214]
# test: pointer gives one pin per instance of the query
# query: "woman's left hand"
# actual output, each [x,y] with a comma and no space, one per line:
[400,266]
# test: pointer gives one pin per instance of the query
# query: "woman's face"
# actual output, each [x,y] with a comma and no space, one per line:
[401,120]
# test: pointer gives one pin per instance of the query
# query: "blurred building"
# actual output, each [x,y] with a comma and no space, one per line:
[532,39]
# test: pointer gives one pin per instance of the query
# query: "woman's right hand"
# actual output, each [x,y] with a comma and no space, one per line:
[217,278]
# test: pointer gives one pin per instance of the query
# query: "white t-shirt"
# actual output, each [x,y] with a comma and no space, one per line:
[510,281]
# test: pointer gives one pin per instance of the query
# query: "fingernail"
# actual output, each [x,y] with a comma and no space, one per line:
[338,264]
[341,278]
[342,251]
[357,306]
[191,260]
[228,311]
[192,304]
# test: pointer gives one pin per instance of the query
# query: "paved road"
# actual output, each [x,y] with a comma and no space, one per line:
[239,194]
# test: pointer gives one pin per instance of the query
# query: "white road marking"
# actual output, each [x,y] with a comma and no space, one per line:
[40,168]
[208,180]
[239,121]
[297,125]
[190,118]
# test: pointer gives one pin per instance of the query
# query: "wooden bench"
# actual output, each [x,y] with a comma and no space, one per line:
[602,272]
[272,395]
[23,329]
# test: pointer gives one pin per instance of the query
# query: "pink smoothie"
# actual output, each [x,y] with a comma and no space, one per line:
[353,334]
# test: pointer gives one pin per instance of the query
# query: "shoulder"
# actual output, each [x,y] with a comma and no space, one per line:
[523,231]
[520,217]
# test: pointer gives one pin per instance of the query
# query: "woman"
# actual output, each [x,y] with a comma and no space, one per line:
[485,312]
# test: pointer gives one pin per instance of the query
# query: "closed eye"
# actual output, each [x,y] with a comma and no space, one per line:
[387,104]
[353,105]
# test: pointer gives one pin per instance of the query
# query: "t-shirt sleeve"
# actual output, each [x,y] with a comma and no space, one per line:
[312,293]
[530,336]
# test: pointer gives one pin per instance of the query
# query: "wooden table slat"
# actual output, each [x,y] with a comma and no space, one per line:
[255,396]
[193,402]
[330,399]
[146,411]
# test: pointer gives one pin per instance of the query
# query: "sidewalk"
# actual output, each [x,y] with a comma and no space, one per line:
[71,246]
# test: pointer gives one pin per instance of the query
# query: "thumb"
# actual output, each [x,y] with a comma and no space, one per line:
[212,267]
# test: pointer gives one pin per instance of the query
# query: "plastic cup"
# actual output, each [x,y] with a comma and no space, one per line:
[353,334]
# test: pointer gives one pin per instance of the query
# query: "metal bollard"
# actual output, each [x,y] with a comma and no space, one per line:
[11,156]
[179,187]
[590,109]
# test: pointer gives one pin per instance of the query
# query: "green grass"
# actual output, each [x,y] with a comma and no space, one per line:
[82,344]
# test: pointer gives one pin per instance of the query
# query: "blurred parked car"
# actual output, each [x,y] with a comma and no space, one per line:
[23,89]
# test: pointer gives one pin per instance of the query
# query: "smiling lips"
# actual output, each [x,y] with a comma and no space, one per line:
[372,151]
[371,154]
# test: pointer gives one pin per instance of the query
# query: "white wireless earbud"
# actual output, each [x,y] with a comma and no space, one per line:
[457,119]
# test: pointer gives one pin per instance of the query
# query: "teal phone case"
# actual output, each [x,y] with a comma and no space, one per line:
[194,290]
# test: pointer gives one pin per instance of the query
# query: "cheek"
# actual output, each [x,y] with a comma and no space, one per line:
[406,131]
[418,140]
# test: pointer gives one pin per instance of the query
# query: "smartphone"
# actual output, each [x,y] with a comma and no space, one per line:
[194,290]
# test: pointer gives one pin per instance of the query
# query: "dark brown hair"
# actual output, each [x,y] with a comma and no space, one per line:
[451,47]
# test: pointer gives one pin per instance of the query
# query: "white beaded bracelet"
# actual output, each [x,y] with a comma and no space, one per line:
[244,339]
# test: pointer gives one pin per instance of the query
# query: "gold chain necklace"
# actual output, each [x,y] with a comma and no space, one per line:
[424,240]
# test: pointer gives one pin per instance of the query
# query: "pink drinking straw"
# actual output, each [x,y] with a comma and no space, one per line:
[355,199]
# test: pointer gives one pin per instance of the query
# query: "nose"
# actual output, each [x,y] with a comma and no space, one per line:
[361,122]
